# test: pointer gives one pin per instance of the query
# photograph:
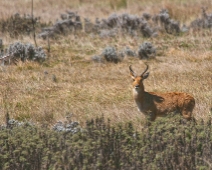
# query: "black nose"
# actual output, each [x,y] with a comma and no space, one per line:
[137,86]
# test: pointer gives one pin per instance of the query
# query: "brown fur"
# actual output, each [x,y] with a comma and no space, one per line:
[154,105]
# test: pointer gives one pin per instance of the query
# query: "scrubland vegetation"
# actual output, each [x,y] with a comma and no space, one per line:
[80,70]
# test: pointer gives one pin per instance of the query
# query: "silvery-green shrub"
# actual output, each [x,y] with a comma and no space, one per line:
[146,51]
[26,51]
[111,55]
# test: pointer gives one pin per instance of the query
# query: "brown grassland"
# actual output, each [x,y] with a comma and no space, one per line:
[87,89]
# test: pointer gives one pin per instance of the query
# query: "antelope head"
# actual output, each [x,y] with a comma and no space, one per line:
[138,80]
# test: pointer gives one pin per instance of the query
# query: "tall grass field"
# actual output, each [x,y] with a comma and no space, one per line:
[88,46]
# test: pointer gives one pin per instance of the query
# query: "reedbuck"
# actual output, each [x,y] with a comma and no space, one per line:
[154,104]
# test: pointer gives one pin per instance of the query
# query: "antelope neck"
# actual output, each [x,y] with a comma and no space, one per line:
[138,94]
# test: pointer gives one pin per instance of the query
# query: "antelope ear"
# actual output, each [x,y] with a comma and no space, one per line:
[145,75]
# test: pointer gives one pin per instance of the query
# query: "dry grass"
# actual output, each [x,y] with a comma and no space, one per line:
[74,84]
[50,10]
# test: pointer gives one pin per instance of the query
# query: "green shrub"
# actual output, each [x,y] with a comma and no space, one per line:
[163,145]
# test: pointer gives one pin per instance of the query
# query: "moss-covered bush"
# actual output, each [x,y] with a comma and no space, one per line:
[26,51]
[111,55]
[164,145]
[204,22]
[129,52]
[17,25]
[146,25]
[70,23]
[166,23]
[146,51]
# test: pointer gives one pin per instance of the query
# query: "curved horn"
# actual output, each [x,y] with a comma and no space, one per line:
[147,67]
[132,72]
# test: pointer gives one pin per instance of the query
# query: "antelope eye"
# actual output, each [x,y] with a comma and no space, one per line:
[133,79]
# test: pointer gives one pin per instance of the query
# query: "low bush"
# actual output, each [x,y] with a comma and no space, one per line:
[25,52]
[100,145]
[146,51]
[18,24]
[111,55]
